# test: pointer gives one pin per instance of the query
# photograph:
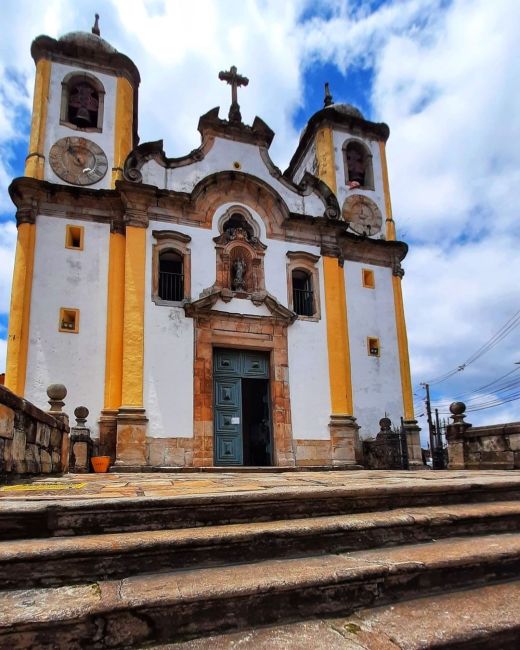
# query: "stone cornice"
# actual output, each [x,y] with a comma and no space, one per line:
[258,134]
[155,151]
[115,63]
[204,305]
[136,204]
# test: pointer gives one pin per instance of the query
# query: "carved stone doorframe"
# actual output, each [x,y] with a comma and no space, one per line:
[268,334]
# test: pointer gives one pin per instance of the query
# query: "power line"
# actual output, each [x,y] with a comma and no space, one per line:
[499,336]
[488,385]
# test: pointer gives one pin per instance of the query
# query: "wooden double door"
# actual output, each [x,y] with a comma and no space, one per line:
[242,415]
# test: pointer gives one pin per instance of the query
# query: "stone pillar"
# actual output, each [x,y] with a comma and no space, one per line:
[413,440]
[344,441]
[81,443]
[131,417]
[56,394]
[455,436]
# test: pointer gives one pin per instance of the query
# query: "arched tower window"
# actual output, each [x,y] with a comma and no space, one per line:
[358,165]
[82,101]
[171,276]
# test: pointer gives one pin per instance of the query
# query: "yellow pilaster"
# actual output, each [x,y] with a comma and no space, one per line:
[34,163]
[402,338]
[115,321]
[19,315]
[390,223]
[133,328]
[335,295]
[326,170]
[337,338]
[402,344]
[123,127]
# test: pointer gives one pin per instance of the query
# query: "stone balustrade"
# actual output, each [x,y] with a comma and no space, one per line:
[31,440]
[494,446]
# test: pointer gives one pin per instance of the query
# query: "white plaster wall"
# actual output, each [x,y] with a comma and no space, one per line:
[222,157]
[69,278]
[169,340]
[55,130]
[343,192]
[376,380]
[307,344]
[168,351]
[308,163]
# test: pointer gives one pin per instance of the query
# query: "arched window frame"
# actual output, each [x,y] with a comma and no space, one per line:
[307,262]
[68,82]
[176,242]
[369,167]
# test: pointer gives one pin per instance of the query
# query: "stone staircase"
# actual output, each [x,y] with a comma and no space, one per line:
[125,573]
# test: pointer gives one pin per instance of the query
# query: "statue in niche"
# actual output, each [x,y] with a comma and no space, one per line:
[239,274]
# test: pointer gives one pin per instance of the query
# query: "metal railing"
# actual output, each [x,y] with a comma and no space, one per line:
[171,286]
[303,302]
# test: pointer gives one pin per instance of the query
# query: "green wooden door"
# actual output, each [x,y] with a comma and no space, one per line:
[229,366]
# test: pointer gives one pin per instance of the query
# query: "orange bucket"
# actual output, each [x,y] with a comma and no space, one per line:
[100,464]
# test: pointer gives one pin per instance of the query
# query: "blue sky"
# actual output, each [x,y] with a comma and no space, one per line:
[443,74]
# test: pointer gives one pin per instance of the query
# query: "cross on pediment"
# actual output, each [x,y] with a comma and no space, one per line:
[235,80]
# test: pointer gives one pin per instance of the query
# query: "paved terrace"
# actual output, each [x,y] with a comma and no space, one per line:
[79,487]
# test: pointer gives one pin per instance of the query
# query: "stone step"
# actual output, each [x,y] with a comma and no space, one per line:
[62,560]
[30,519]
[169,606]
[482,618]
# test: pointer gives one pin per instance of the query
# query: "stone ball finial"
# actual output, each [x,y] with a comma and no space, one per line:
[81,415]
[81,412]
[56,392]
[457,408]
[385,424]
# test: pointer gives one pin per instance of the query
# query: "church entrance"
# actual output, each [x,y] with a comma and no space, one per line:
[242,417]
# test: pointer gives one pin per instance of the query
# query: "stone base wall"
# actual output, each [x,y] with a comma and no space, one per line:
[312,452]
[31,441]
[169,452]
[492,447]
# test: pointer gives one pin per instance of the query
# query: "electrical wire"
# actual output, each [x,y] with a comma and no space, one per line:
[499,336]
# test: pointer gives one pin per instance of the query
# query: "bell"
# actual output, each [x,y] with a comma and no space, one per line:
[83,115]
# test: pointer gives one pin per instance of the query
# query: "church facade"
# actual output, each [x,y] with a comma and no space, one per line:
[209,309]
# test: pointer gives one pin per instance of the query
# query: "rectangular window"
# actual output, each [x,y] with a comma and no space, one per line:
[74,237]
[369,281]
[373,346]
[69,320]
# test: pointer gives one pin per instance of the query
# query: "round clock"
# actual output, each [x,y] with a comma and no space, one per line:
[78,161]
[363,215]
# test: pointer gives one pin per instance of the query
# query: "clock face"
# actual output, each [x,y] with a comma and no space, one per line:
[363,215]
[78,161]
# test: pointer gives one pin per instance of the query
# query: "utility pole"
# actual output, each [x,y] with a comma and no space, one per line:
[430,424]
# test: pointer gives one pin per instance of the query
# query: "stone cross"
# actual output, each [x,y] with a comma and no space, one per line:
[235,80]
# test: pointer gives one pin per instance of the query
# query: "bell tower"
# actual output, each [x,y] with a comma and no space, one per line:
[84,120]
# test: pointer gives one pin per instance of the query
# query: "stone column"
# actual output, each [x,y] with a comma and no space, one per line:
[56,394]
[455,436]
[413,440]
[344,441]
[81,443]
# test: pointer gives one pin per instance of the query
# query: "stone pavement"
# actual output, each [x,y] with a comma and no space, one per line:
[79,487]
